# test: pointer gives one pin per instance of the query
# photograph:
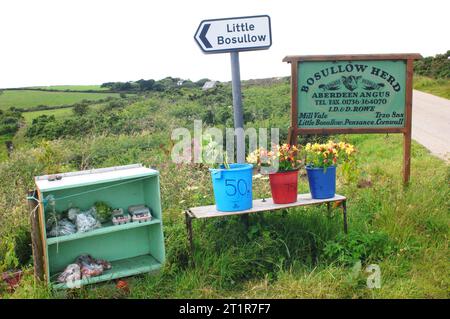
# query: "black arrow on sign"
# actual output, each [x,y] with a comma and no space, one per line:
[203,36]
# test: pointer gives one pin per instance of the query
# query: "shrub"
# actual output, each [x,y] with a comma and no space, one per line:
[116,104]
[436,67]
[358,246]
[9,121]
[80,109]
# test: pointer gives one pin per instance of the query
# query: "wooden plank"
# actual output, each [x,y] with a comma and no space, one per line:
[408,113]
[292,138]
[356,57]
[43,235]
[354,130]
[261,205]
[36,239]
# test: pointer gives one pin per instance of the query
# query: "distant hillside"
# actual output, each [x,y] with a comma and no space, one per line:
[26,99]
[69,88]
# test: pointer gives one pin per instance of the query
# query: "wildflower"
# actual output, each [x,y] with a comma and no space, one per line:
[287,156]
[308,147]
[324,155]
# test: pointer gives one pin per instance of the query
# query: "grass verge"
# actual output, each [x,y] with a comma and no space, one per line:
[300,253]
[439,87]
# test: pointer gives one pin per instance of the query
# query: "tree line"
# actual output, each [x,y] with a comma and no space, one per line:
[142,85]
[437,67]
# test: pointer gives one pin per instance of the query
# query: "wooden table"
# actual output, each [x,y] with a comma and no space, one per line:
[259,205]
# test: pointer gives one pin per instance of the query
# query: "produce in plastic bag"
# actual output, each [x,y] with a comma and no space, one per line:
[70,274]
[61,228]
[86,221]
[72,213]
[91,267]
[85,266]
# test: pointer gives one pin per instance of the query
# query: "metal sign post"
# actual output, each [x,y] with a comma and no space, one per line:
[237,107]
[234,35]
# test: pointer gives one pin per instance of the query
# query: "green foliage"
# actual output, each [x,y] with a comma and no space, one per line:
[357,246]
[437,67]
[166,84]
[8,256]
[80,109]
[146,85]
[50,157]
[10,121]
[117,104]
[49,128]
[439,87]
[350,170]
[103,211]
[432,75]
[43,126]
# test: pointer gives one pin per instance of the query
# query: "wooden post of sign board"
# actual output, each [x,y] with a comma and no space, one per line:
[407,133]
[408,58]
[36,240]
[292,135]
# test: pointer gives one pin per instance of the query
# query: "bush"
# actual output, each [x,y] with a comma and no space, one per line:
[358,246]
[10,121]
[80,109]
[116,104]
[437,67]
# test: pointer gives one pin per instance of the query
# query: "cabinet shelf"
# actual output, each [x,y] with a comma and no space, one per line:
[120,268]
[108,228]
[132,248]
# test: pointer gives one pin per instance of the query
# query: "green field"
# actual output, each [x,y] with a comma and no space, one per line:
[71,87]
[58,113]
[28,98]
[439,87]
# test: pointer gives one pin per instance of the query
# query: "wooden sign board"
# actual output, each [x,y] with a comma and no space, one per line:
[367,93]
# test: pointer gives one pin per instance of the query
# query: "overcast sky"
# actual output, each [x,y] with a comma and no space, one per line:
[50,42]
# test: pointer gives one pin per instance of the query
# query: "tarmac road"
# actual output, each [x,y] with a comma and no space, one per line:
[431,123]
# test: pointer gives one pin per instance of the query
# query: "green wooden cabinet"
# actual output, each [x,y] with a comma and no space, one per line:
[131,248]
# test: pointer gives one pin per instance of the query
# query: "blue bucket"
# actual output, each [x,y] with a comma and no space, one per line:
[232,187]
[322,184]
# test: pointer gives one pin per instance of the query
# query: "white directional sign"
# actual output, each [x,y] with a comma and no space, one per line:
[234,34]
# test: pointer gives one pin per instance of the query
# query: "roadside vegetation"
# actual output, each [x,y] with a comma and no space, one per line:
[438,87]
[300,253]
[432,75]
